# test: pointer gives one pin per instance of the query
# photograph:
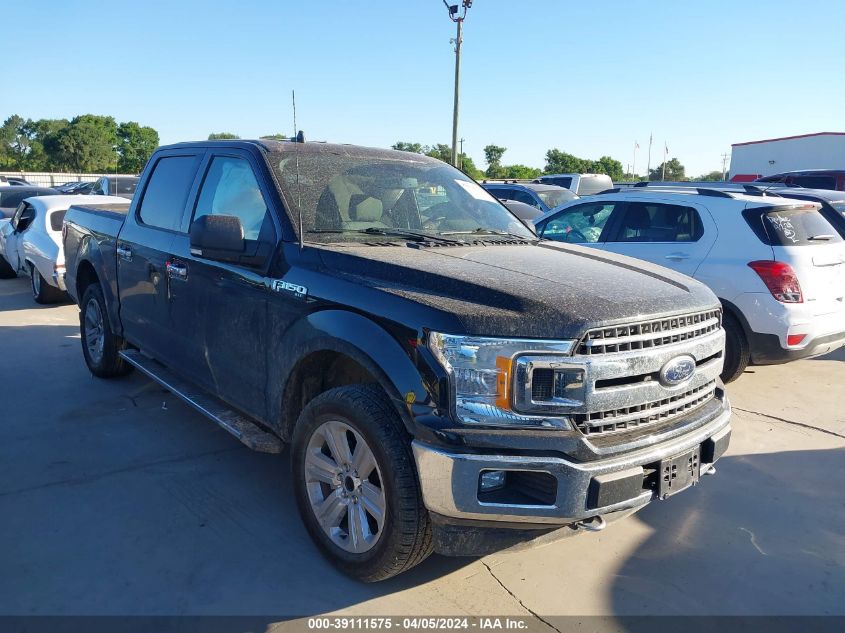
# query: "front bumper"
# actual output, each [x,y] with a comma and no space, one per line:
[449,480]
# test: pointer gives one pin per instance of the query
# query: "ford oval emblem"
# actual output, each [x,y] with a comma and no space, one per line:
[676,371]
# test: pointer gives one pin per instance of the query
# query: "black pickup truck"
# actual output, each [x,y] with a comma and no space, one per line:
[446,380]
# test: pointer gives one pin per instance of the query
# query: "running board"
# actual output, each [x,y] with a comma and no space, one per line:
[236,423]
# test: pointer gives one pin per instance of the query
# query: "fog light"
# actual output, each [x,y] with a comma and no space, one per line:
[795,339]
[491,480]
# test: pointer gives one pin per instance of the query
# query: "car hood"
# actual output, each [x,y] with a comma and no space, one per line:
[544,290]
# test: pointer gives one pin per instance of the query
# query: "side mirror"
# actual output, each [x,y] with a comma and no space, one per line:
[218,237]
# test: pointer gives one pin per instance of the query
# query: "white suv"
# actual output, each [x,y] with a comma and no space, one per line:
[777,264]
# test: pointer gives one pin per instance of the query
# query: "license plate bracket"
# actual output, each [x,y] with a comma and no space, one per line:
[679,473]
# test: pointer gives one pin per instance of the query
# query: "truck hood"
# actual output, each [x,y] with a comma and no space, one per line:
[544,290]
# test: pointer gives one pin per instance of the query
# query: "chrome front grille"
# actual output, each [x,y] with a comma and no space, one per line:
[633,417]
[650,334]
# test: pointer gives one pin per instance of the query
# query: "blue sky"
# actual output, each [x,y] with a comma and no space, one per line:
[588,78]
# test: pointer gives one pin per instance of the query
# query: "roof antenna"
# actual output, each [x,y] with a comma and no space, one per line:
[298,138]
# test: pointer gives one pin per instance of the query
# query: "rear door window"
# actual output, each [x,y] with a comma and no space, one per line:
[167,191]
[655,222]
[526,198]
[56,219]
[791,226]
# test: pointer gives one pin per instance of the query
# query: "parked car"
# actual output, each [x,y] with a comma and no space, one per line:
[542,197]
[776,264]
[809,178]
[123,186]
[11,197]
[83,189]
[442,385]
[14,181]
[31,244]
[582,184]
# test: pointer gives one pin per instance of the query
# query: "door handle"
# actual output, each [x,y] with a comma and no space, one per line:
[177,270]
[124,252]
[676,257]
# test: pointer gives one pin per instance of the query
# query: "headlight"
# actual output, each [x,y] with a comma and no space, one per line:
[481,371]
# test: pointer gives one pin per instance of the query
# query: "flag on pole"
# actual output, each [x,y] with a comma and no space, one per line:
[636,145]
[665,148]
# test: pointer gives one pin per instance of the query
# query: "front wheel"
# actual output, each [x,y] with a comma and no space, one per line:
[356,484]
[100,346]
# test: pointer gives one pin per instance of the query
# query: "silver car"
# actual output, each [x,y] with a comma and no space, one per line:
[31,243]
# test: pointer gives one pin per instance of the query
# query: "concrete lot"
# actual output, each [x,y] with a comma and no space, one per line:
[117,499]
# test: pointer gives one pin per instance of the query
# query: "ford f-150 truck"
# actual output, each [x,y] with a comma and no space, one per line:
[447,382]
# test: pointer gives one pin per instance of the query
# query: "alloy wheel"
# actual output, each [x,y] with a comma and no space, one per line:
[345,487]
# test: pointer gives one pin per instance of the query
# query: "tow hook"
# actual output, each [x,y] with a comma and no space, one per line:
[593,524]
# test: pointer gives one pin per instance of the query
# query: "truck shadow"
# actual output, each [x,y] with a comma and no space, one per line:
[763,537]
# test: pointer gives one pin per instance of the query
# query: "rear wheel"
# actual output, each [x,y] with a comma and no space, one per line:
[356,484]
[43,292]
[6,270]
[737,352]
[100,346]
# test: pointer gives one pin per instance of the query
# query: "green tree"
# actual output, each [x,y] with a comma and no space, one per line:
[402,146]
[14,142]
[558,162]
[609,166]
[493,156]
[87,144]
[713,176]
[222,136]
[275,137]
[674,171]
[42,135]
[441,151]
[135,145]
[520,172]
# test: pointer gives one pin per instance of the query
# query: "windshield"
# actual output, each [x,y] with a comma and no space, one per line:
[343,194]
[555,197]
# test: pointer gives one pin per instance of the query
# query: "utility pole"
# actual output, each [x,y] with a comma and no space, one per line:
[648,168]
[458,18]
[725,158]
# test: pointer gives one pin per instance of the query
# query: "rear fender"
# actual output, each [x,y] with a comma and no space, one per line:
[90,253]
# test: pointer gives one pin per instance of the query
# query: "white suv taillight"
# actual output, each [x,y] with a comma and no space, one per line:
[780,279]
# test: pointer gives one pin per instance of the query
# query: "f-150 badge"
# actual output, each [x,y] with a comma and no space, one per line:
[278,285]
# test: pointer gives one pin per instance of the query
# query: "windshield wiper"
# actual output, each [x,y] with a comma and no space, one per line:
[824,237]
[481,231]
[409,234]
[417,236]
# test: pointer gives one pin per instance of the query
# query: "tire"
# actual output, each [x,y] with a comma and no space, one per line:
[100,346]
[6,270]
[737,352]
[403,539]
[43,292]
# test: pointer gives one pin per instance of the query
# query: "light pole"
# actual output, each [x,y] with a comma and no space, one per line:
[458,18]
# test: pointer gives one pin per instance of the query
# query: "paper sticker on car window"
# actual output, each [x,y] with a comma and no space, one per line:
[472,189]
